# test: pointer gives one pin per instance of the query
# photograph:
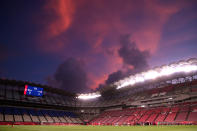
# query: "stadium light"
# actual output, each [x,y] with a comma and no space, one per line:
[139,78]
[183,66]
[88,96]
[151,75]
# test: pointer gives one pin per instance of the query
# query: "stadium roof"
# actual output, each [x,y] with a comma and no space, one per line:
[180,67]
[183,66]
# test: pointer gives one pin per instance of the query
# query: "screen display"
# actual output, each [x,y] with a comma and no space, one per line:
[33,91]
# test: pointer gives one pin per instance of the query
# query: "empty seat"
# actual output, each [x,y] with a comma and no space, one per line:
[9,118]
[174,109]
[68,119]
[42,119]
[160,117]
[48,118]
[181,116]
[40,116]
[170,117]
[8,114]
[56,119]
[143,118]
[33,115]
[184,108]
[62,119]
[1,117]
[27,118]
[152,118]
[18,118]
[1,114]
[192,116]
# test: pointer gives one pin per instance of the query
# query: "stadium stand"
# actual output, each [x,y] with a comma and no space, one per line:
[168,100]
[15,114]
[168,113]
[143,116]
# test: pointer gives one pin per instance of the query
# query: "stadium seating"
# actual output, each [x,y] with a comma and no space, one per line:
[147,115]
[170,117]
[152,118]
[166,104]
[193,114]
[181,116]
[13,114]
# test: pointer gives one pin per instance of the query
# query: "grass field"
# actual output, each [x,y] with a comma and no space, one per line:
[98,128]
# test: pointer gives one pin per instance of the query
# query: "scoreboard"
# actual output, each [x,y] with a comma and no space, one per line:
[33,91]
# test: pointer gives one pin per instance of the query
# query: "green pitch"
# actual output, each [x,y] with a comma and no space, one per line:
[98,128]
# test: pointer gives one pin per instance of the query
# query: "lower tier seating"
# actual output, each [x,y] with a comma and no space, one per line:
[159,115]
[14,114]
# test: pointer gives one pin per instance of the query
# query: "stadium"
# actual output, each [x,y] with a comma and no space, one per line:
[98,65]
[165,95]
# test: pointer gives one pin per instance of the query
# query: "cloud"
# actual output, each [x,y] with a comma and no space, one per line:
[62,12]
[131,55]
[67,20]
[94,21]
[70,76]
[91,29]
[115,76]
[134,60]
[56,18]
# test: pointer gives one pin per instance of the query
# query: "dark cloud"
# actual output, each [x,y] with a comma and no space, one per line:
[132,57]
[70,76]
[114,77]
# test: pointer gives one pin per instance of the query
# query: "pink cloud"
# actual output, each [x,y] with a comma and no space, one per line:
[100,24]
[63,11]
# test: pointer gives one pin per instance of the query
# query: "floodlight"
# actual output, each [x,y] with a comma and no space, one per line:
[88,96]
[183,66]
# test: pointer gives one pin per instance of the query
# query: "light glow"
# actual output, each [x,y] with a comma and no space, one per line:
[89,96]
[183,66]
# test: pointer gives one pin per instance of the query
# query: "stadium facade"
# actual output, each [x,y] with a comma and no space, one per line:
[162,95]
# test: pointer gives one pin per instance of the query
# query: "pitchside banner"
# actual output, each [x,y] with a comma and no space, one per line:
[33,91]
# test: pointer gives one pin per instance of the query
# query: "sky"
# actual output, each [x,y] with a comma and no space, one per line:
[83,45]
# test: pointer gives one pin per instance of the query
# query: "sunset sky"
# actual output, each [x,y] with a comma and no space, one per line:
[78,45]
